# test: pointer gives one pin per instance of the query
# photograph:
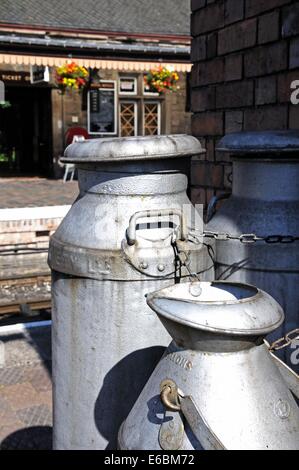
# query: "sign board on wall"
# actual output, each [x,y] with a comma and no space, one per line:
[39,74]
[101,114]
[11,76]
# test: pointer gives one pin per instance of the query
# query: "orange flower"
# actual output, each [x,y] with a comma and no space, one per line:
[161,79]
[71,75]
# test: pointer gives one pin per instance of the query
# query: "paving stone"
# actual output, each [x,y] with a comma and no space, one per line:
[39,378]
[11,375]
[7,414]
[26,391]
[46,398]
[35,415]
[20,396]
[36,192]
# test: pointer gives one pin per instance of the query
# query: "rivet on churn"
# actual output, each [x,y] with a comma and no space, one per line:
[161,267]
[143,265]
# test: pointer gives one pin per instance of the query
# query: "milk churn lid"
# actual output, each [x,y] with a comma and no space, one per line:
[223,307]
[282,143]
[132,148]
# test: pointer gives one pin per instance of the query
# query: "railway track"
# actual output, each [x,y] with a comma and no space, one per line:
[24,273]
[32,305]
[25,293]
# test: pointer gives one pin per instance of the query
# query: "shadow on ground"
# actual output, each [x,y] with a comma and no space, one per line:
[128,376]
[33,438]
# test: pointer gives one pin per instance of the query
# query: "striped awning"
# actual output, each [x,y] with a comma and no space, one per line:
[102,64]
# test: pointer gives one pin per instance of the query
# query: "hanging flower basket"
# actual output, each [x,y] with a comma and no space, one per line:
[70,77]
[161,79]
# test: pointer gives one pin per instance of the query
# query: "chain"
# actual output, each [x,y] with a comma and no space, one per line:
[285,341]
[248,238]
[193,276]
[184,259]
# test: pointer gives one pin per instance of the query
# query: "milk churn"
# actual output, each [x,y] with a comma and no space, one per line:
[217,386]
[126,235]
[257,228]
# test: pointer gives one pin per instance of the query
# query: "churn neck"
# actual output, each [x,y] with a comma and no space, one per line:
[216,316]
[265,164]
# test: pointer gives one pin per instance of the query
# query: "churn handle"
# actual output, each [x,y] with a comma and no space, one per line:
[174,400]
[131,231]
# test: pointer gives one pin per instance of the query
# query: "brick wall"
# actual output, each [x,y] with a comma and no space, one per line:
[245,55]
[177,120]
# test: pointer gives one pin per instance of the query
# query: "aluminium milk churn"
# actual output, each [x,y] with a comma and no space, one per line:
[217,386]
[126,235]
[261,219]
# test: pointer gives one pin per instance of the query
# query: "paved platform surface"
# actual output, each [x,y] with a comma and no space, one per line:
[36,192]
[26,389]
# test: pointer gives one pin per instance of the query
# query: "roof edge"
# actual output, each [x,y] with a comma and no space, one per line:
[45,28]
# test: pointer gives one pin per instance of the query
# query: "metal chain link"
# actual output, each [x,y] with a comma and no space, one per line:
[184,259]
[193,275]
[248,238]
[285,341]
[292,335]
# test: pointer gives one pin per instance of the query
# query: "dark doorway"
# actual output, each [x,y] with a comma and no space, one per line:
[26,132]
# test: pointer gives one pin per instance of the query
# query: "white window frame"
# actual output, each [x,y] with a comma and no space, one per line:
[159,114]
[115,110]
[135,114]
[127,93]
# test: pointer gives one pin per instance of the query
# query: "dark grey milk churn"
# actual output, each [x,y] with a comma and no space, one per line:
[217,386]
[259,223]
[127,234]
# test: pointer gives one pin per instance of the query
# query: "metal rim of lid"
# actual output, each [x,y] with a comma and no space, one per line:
[284,143]
[252,307]
[132,148]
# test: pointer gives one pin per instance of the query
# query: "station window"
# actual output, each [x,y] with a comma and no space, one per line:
[152,118]
[127,86]
[128,118]
[140,114]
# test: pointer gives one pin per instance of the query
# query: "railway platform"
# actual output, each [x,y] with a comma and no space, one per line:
[30,211]
[36,192]
[25,387]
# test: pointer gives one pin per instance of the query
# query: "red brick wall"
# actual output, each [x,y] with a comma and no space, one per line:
[245,55]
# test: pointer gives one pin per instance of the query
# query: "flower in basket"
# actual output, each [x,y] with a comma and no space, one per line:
[71,76]
[161,79]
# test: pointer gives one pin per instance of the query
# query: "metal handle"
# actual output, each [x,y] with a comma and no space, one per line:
[169,395]
[131,231]
[173,400]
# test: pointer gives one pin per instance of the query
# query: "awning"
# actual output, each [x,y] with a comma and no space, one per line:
[102,64]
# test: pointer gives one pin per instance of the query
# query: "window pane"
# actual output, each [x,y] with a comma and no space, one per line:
[128,119]
[128,86]
[151,119]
